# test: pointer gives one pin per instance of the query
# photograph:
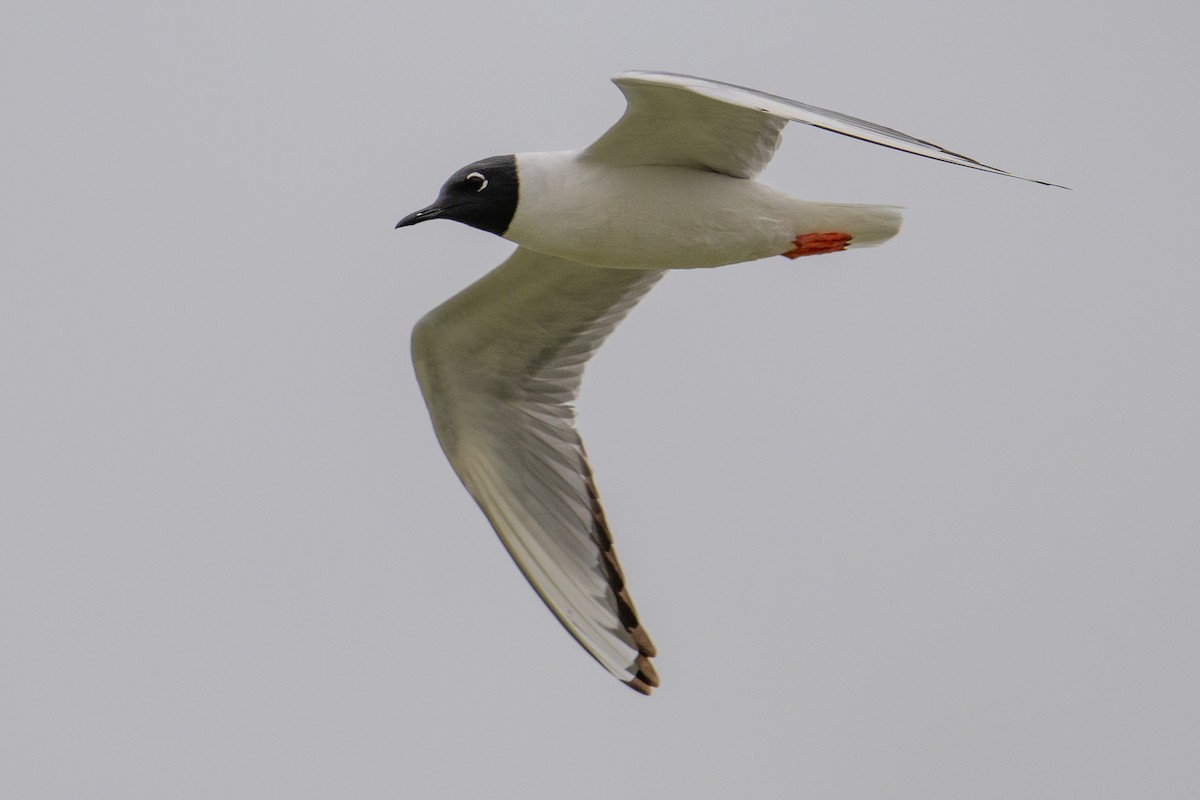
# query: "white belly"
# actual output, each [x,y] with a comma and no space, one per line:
[648,217]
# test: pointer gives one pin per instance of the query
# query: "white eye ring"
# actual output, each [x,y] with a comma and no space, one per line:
[482,180]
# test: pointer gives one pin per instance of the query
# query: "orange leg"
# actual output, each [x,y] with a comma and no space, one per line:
[814,244]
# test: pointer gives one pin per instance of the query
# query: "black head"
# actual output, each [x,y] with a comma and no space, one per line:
[482,195]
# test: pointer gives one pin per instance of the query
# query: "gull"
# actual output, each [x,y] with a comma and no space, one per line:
[670,186]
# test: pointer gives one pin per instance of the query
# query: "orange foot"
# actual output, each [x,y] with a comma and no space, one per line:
[814,244]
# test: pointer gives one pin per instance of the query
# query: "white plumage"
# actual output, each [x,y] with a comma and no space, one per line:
[669,186]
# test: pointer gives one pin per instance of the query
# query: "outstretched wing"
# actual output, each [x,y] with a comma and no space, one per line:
[679,120]
[500,365]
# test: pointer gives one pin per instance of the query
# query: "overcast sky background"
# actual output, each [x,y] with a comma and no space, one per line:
[917,521]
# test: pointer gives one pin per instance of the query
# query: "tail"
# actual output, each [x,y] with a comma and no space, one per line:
[867,225]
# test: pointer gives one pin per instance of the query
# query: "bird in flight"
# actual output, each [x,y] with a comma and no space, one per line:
[670,186]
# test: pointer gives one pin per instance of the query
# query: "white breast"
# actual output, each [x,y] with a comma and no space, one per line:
[647,217]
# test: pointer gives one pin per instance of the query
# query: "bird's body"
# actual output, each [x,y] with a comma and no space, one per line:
[669,217]
[669,186]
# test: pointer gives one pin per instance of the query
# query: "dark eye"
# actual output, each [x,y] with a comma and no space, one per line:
[476,181]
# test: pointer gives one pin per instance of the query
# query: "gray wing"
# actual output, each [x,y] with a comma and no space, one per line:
[500,365]
[679,120]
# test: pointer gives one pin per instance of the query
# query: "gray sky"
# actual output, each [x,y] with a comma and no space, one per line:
[911,522]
